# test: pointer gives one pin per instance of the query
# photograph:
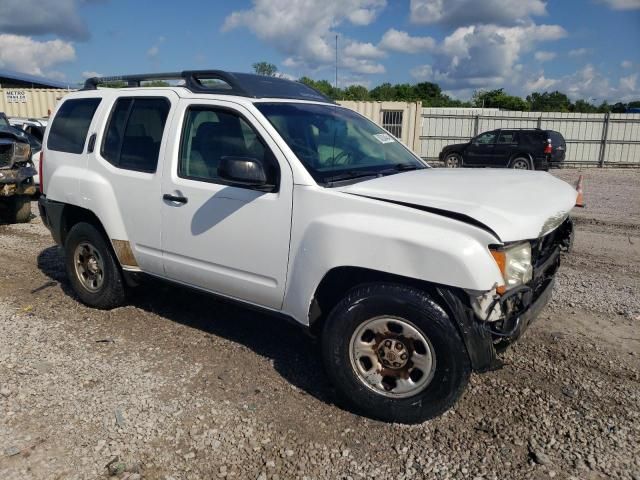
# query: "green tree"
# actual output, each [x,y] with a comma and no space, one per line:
[265,68]
[498,99]
[634,104]
[323,87]
[549,102]
[582,106]
[355,92]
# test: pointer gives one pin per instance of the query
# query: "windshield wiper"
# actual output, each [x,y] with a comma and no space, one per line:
[352,174]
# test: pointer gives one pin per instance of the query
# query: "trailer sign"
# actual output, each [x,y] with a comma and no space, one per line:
[16,96]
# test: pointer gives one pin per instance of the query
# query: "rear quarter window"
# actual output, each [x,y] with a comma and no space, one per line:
[70,126]
[556,138]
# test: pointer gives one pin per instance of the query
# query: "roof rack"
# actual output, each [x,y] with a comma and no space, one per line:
[222,83]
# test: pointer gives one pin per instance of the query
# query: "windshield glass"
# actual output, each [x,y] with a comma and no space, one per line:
[3,120]
[337,144]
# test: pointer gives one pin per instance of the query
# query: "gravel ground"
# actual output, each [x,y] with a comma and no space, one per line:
[181,386]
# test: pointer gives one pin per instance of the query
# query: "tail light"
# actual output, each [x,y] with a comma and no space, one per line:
[548,148]
[41,172]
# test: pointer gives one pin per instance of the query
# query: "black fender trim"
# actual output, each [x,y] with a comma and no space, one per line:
[476,337]
[51,215]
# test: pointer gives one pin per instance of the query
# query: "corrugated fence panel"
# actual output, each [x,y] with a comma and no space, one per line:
[584,133]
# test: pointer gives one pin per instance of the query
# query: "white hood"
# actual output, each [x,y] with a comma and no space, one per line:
[515,204]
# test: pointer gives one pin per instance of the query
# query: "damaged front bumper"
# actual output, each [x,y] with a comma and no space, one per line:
[17,181]
[509,315]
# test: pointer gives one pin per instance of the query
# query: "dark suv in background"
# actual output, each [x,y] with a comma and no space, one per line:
[521,148]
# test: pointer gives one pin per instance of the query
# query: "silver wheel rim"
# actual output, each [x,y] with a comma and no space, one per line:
[520,165]
[452,161]
[89,266]
[392,357]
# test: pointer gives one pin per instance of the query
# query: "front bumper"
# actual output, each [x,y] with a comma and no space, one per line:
[521,306]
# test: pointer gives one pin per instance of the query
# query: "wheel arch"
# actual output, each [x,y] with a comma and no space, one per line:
[526,155]
[454,302]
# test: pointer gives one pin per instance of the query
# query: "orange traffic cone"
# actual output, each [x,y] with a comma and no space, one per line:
[580,199]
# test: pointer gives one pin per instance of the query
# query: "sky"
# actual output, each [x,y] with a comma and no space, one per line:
[588,49]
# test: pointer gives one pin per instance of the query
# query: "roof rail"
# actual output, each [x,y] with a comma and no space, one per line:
[222,83]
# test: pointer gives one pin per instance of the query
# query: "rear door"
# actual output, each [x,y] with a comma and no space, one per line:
[506,145]
[124,172]
[481,149]
[216,235]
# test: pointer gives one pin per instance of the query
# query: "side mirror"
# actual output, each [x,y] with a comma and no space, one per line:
[243,171]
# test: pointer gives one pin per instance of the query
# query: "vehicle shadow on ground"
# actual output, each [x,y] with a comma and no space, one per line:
[295,356]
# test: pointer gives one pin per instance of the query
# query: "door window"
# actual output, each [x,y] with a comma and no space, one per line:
[134,133]
[71,124]
[210,134]
[486,138]
[508,137]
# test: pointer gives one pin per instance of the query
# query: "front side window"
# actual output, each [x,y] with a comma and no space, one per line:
[336,144]
[210,134]
[71,124]
[486,138]
[134,133]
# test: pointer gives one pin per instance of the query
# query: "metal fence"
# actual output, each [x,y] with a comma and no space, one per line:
[592,139]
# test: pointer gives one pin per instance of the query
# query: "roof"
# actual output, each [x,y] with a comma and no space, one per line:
[223,83]
[25,80]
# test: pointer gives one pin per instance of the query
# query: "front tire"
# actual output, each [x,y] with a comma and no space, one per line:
[15,209]
[453,160]
[92,268]
[394,354]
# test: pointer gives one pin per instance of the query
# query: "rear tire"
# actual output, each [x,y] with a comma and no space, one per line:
[420,336]
[92,268]
[520,163]
[453,160]
[15,209]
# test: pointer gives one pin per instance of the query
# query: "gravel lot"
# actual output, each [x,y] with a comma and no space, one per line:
[181,386]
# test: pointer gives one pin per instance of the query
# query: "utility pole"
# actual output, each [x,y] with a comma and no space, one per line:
[336,62]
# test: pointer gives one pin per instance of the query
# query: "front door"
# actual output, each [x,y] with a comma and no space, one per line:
[225,238]
[480,150]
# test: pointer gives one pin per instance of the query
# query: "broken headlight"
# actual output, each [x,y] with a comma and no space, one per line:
[21,152]
[515,265]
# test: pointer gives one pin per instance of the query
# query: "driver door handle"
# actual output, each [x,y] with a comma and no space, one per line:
[174,198]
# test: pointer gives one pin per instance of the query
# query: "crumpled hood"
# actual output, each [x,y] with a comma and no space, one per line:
[515,204]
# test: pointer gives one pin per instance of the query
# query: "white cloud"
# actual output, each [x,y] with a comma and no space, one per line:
[543,56]
[467,12]
[304,31]
[42,17]
[422,73]
[579,52]
[153,52]
[26,55]
[403,42]
[90,74]
[622,4]
[363,50]
[626,64]
[590,84]
[487,55]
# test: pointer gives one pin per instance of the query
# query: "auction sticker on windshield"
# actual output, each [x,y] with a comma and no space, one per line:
[384,138]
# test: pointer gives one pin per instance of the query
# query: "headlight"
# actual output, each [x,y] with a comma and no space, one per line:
[21,152]
[514,263]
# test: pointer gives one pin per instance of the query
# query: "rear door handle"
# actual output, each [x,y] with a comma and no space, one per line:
[174,198]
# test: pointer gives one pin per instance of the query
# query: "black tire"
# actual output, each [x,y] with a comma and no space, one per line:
[15,209]
[452,364]
[111,291]
[453,160]
[521,163]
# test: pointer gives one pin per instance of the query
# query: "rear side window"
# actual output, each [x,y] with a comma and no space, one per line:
[71,124]
[134,133]
[556,138]
[508,136]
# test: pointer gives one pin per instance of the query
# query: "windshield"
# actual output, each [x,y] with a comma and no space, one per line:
[337,144]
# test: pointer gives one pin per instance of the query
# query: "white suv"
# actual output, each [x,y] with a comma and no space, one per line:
[262,190]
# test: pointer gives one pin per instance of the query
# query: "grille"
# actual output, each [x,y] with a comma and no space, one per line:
[6,152]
